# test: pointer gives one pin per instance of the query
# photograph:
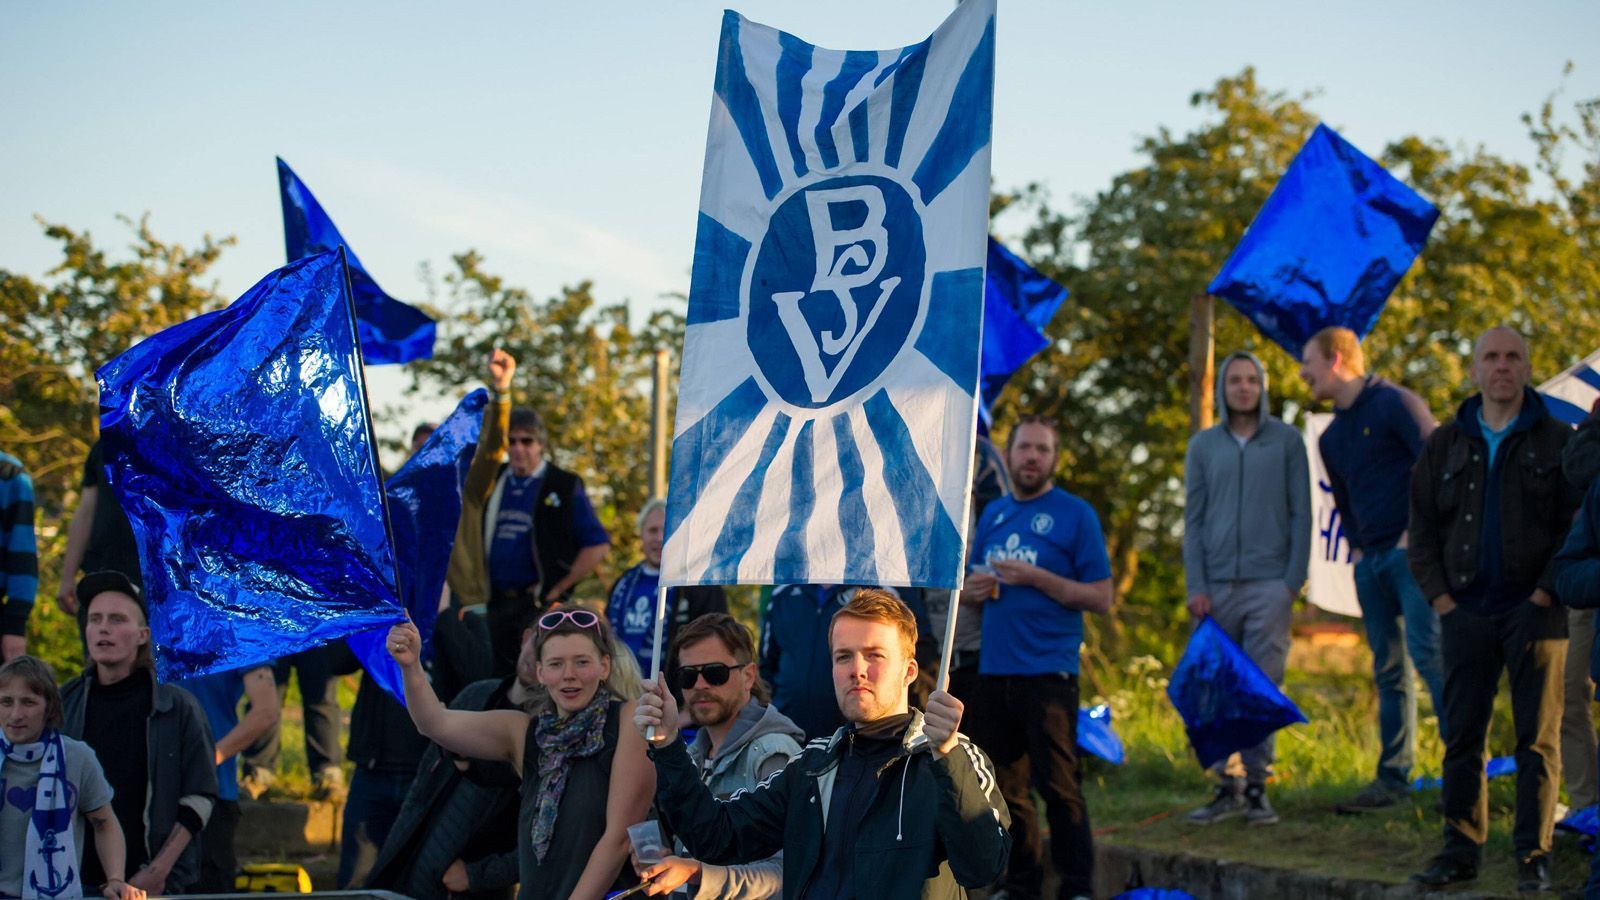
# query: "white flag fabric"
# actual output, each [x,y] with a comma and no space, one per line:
[1570,395]
[827,403]
[1331,579]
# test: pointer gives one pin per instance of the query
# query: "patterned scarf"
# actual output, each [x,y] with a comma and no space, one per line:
[50,851]
[561,740]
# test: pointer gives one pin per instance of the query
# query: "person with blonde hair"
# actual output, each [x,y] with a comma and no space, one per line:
[585,778]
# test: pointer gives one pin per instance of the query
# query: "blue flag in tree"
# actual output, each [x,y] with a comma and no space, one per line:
[1018,302]
[1226,701]
[240,446]
[1327,248]
[391,331]
[424,506]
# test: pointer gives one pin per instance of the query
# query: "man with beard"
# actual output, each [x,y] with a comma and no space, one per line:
[631,606]
[1489,510]
[895,805]
[456,832]
[742,742]
[1041,564]
[1246,545]
[1377,432]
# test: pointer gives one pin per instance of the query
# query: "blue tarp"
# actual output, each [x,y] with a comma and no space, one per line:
[424,506]
[1095,734]
[239,444]
[1494,768]
[1328,247]
[391,331]
[1226,701]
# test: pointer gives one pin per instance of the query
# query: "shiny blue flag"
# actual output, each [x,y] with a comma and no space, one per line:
[240,446]
[1328,246]
[1018,302]
[1226,701]
[391,331]
[1096,736]
[424,506]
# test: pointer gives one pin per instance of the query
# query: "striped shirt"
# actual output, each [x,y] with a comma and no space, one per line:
[19,566]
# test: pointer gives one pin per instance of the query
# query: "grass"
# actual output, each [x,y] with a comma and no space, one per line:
[1144,802]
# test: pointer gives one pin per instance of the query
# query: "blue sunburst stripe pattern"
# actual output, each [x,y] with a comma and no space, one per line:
[1570,395]
[830,367]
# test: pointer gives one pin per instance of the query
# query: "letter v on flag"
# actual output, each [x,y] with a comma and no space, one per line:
[826,409]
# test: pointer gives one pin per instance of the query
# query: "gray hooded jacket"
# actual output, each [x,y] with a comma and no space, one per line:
[761,742]
[1247,513]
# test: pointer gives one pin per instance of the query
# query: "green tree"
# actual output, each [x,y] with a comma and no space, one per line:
[59,329]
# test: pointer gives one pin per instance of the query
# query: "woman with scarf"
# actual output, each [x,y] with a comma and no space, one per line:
[580,769]
[50,785]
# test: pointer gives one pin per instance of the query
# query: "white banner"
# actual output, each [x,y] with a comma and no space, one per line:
[1330,582]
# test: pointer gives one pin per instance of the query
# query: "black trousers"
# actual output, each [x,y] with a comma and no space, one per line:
[1530,644]
[218,864]
[509,613]
[1028,725]
[319,698]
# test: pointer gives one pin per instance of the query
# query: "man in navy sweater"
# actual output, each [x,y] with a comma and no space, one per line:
[1377,432]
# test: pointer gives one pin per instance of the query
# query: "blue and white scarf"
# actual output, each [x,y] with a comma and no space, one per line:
[51,851]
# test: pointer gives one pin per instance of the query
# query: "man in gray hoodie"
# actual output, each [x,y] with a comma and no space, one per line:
[742,741]
[1246,544]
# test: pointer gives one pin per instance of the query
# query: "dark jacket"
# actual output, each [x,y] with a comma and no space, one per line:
[1449,489]
[1581,459]
[1577,569]
[1369,450]
[382,736]
[182,764]
[484,818]
[935,827]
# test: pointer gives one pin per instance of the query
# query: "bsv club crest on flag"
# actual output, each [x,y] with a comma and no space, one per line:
[828,395]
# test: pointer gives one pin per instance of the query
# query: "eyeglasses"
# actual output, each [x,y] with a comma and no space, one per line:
[524,441]
[716,674]
[579,617]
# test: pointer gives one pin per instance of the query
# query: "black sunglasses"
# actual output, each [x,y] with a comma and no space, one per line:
[716,674]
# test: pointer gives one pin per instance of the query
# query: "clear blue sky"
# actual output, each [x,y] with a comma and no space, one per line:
[564,141]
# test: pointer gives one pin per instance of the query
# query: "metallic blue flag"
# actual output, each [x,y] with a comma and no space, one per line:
[424,505]
[1328,246]
[1018,302]
[1226,701]
[240,446]
[391,331]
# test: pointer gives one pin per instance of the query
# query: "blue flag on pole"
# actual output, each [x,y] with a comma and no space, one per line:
[1018,302]
[424,506]
[1328,247]
[1226,701]
[240,446]
[830,365]
[391,331]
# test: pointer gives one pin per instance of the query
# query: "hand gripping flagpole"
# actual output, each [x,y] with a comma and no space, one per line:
[655,658]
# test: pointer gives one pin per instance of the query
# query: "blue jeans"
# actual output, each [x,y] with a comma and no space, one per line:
[369,812]
[1398,620]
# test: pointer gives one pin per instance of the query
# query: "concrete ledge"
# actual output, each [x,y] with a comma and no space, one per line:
[1119,868]
[284,830]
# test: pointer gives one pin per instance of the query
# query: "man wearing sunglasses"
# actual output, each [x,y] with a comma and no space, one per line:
[540,534]
[742,741]
[895,805]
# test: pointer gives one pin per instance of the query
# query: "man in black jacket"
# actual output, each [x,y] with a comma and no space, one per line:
[1577,578]
[1489,509]
[893,805]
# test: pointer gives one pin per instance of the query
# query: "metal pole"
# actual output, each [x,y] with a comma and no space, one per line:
[660,428]
[1202,364]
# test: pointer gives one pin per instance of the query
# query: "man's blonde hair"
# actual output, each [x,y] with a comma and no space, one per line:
[878,605]
[1341,341]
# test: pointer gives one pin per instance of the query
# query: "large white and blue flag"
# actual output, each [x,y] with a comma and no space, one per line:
[1570,395]
[830,367]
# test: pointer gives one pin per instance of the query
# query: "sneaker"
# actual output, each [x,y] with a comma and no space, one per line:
[1533,875]
[1225,804]
[1257,810]
[1376,795]
[1443,871]
[255,782]
[328,784]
